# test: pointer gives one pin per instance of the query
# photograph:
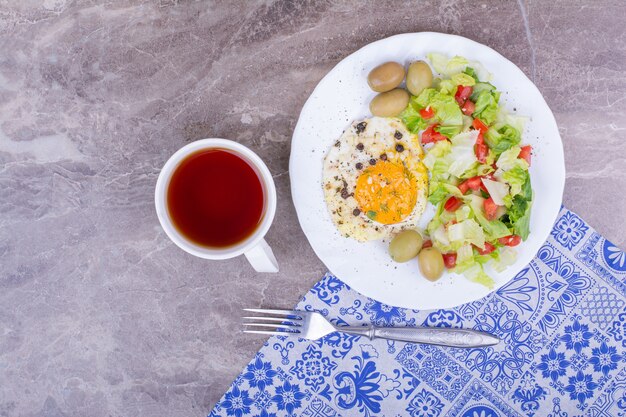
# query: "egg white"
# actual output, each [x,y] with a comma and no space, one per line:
[340,174]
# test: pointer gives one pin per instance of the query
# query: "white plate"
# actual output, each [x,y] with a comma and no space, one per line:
[343,96]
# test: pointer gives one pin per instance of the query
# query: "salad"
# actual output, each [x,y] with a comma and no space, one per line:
[480,182]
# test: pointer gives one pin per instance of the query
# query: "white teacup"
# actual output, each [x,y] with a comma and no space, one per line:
[254,247]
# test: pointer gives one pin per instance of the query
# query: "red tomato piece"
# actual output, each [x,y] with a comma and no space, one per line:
[430,135]
[427,244]
[480,139]
[490,209]
[479,125]
[464,187]
[449,260]
[468,108]
[474,183]
[512,240]
[525,153]
[481,151]
[427,113]
[452,204]
[488,249]
[462,94]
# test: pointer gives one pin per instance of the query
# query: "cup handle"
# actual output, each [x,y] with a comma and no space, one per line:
[262,258]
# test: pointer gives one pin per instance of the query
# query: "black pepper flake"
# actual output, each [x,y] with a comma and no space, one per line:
[344,194]
[383,157]
[356,212]
[372,161]
[359,165]
[337,144]
[397,135]
[399,147]
[360,127]
[360,146]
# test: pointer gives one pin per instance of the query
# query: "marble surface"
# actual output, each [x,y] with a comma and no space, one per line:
[100,314]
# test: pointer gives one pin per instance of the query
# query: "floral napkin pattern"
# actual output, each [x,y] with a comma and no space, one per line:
[562,320]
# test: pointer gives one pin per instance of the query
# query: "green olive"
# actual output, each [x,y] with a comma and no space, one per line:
[386,77]
[389,104]
[431,263]
[405,245]
[418,77]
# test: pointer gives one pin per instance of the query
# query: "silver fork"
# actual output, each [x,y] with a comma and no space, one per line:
[312,325]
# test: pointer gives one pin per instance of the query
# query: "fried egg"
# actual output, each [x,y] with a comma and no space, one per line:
[374,181]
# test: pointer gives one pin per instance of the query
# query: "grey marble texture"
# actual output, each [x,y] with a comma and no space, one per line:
[100,314]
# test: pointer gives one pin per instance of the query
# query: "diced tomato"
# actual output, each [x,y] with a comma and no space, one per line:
[427,244]
[430,135]
[427,113]
[452,204]
[468,108]
[480,139]
[512,240]
[479,125]
[481,151]
[490,209]
[488,249]
[449,260]
[474,184]
[462,94]
[525,153]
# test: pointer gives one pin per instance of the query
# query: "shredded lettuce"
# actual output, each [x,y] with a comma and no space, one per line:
[486,106]
[412,119]
[509,159]
[439,191]
[462,153]
[502,138]
[479,87]
[463,79]
[516,178]
[450,162]
[466,231]
[447,66]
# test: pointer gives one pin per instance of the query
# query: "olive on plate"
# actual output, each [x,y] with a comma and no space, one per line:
[389,104]
[418,77]
[405,245]
[385,77]
[431,263]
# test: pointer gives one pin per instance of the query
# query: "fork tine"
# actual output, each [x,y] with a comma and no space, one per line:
[264,332]
[276,326]
[296,322]
[276,312]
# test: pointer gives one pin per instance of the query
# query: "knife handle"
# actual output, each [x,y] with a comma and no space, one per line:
[460,338]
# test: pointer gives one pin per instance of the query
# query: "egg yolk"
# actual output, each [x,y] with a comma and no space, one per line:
[386,192]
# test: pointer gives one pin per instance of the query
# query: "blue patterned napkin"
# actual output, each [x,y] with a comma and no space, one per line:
[562,320]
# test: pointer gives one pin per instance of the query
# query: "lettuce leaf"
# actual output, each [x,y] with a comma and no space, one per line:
[502,138]
[472,73]
[447,110]
[412,119]
[493,229]
[439,191]
[516,178]
[509,159]
[447,66]
[463,79]
[479,87]
[486,106]
[425,97]
[466,231]
[462,153]
[518,216]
